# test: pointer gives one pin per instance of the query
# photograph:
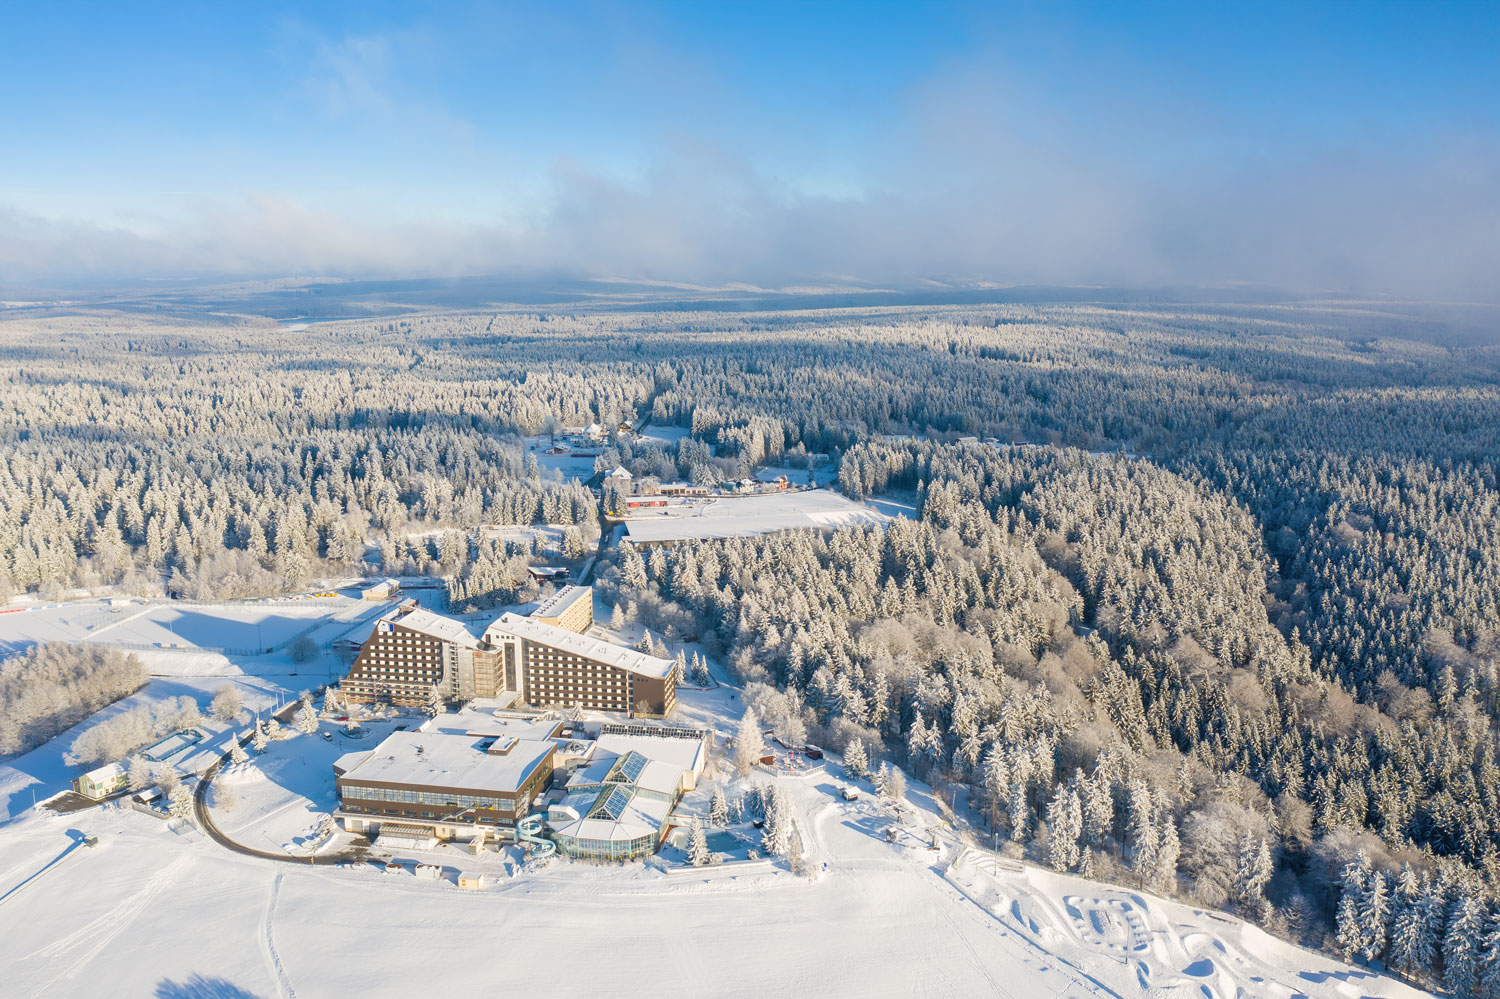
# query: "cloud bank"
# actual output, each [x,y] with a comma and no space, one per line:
[971,179]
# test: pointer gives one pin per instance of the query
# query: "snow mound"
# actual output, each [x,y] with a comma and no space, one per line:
[1136,943]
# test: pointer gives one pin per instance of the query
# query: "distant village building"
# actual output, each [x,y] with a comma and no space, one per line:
[681,489]
[383,590]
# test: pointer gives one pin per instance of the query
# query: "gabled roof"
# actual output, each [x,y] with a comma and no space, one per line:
[552,636]
[437,626]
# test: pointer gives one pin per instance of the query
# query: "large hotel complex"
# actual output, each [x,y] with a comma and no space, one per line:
[541,660]
[479,773]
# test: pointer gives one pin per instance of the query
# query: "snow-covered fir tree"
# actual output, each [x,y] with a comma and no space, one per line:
[306,720]
[748,742]
[1350,927]
[180,802]
[856,762]
[698,852]
[1252,873]
[1463,944]
[1064,826]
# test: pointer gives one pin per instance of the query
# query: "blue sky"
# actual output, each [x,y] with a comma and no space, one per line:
[1346,147]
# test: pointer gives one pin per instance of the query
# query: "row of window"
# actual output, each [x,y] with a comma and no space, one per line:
[606,849]
[505,804]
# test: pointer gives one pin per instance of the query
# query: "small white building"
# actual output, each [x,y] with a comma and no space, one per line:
[383,590]
[619,474]
[102,782]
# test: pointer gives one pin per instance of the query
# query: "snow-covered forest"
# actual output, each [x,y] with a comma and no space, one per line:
[1220,616]
[49,688]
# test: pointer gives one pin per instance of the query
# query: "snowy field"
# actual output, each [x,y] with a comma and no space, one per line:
[740,516]
[662,436]
[41,773]
[232,627]
[276,801]
[881,920]
[23,627]
[874,918]
[147,631]
[183,626]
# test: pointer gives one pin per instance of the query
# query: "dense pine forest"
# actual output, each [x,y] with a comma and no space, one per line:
[1217,610]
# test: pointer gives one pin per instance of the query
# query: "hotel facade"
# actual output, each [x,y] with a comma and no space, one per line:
[543,660]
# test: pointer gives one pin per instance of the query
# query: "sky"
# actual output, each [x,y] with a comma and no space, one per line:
[1332,148]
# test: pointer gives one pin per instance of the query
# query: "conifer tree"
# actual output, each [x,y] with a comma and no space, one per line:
[1253,873]
[1142,832]
[1375,915]
[856,762]
[748,742]
[306,721]
[718,807]
[180,802]
[139,776]
[1163,872]
[698,852]
[1064,825]
[1463,945]
[1410,950]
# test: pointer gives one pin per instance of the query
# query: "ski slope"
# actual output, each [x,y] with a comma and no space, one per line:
[149,911]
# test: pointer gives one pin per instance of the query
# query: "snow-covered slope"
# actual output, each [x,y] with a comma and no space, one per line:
[150,912]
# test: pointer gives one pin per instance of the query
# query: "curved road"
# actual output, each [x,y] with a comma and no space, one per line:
[206,822]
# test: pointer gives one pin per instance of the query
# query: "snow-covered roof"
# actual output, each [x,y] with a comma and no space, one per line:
[683,754]
[654,775]
[109,771]
[479,723]
[619,472]
[551,635]
[651,763]
[451,761]
[349,761]
[614,814]
[444,628]
[562,600]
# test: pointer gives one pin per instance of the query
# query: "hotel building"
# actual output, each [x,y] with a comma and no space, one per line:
[542,660]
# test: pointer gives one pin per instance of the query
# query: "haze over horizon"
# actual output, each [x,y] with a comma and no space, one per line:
[1331,148]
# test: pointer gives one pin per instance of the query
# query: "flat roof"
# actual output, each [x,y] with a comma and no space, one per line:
[551,635]
[480,723]
[684,754]
[731,517]
[435,759]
